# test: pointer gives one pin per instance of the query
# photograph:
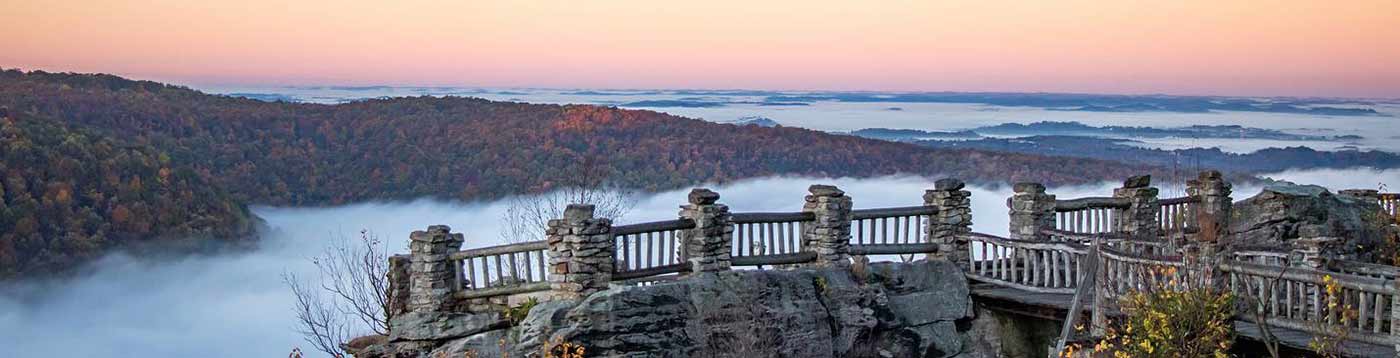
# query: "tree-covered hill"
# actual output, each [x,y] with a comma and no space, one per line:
[67,196]
[469,149]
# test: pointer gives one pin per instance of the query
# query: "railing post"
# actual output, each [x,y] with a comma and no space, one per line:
[1098,318]
[1031,211]
[1395,319]
[707,246]
[431,277]
[1213,207]
[581,252]
[953,220]
[1139,219]
[829,236]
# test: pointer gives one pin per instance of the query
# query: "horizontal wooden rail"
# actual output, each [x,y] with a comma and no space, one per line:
[1364,269]
[893,212]
[892,249]
[651,271]
[1090,203]
[500,250]
[1302,274]
[503,290]
[757,218]
[655,226]
[779,259]
[1180,200]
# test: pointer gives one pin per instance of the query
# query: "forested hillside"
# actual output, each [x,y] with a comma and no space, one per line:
[67,196]
[470,149]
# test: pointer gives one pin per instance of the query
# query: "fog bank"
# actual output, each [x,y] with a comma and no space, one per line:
[235,305]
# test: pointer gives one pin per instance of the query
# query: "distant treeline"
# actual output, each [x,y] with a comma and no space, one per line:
[283,153]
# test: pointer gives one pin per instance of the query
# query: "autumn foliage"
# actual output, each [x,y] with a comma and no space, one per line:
[155,159]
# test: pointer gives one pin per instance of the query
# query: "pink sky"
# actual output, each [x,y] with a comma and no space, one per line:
[1305,48]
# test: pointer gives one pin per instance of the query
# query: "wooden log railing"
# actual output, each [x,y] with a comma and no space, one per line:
[648,249]
[651,251]
[1390,203]
[1046,267]
[1261,257]
[501,270]
[1087,215]
[889,231]
[1386,272]
[1118,241]
[1298,298]
[1178,214]
[765,234]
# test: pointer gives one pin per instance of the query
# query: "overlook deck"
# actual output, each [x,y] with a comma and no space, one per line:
[1099,249]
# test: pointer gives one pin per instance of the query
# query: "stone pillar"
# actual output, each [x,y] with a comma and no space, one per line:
[581,250]
[431,277]
[1213,208]
[1031,210]
[953,220]
[1139,219]
[707,246]
[399,280]
[830,234]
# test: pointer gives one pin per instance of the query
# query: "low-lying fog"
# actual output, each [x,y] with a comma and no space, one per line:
[235,305]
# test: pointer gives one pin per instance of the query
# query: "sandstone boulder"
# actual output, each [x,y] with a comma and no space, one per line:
[1284,212]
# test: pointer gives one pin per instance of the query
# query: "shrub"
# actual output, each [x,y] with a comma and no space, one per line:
[1167,320]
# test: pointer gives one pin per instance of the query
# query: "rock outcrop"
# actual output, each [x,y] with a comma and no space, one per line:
[1283,213]
[920,309]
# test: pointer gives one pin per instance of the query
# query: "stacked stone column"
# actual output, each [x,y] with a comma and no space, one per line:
[707,246]
[581,250]
[953,220]
[431,277]
[829,235]
[1031,211]
[399,281]
[1213,208]
[1139,219]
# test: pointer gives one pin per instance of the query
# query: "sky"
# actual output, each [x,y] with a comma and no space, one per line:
[1247,48]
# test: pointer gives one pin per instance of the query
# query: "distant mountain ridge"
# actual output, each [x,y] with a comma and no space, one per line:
[280,153]
[468,149]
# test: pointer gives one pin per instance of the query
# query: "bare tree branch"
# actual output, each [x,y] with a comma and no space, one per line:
[528,216]
[354,276]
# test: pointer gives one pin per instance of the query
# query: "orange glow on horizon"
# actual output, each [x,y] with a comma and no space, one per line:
[1303,48]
